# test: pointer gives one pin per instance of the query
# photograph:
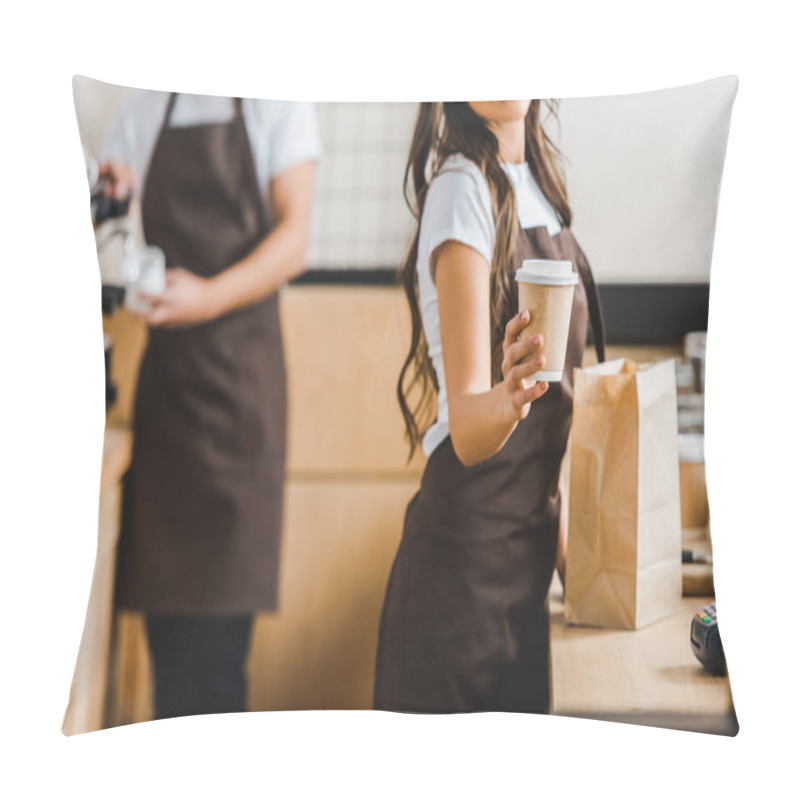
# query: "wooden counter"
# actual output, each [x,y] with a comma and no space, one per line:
[117,442]
[348,485]
[646,677]
[87,700]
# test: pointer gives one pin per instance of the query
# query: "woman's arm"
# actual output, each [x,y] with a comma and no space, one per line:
[189,299]
[482,417]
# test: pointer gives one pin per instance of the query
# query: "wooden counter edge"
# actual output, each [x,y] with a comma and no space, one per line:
[117,450]
[710,720]
[86,709]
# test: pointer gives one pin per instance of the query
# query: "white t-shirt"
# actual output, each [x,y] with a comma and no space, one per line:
[458,207]
[282,134]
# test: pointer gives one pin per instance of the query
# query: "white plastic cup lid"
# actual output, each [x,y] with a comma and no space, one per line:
[549,273]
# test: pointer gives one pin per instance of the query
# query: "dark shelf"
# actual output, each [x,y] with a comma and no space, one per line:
[634,313]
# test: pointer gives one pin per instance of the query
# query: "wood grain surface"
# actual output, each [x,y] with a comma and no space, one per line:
[318,651]
[649,676]
[87,708]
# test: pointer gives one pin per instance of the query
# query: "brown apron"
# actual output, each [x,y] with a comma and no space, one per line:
[204,495]
[465,624]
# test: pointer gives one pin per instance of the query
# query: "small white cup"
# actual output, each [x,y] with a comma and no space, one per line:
[146,272]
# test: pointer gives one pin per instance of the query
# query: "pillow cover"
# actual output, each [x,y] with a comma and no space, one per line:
[259,552]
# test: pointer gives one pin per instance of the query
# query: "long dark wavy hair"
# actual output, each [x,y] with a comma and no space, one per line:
[441,130]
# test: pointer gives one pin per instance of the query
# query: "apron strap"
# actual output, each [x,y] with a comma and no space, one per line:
[595,309]
[238,119]
[170,105]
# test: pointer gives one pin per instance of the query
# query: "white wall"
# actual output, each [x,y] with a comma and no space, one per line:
[96,104]
[643,175]
[643,179]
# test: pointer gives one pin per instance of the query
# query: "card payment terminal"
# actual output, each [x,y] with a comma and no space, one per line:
[706,642]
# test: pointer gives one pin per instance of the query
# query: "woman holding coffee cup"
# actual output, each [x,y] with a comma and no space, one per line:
[465,624]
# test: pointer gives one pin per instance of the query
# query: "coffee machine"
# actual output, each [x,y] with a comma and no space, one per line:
[110,221]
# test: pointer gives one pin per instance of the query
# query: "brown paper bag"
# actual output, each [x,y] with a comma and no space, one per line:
[624,523]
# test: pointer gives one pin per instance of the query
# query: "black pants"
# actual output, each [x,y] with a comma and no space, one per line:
[199,664]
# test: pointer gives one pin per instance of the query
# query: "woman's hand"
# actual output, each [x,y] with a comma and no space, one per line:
[518,399]
[187,300]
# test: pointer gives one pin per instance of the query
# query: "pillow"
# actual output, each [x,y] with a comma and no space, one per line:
[259,550]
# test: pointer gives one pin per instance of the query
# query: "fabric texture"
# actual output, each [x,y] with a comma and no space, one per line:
[437,604]
[199,664]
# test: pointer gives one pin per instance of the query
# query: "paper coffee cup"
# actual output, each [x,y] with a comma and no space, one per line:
[150,274]
[546,289]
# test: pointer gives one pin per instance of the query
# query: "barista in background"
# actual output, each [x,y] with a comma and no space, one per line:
[225,186]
